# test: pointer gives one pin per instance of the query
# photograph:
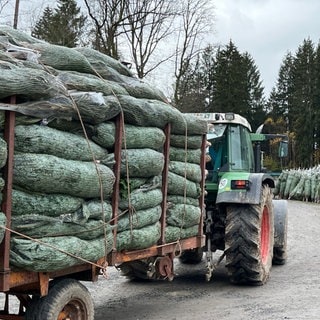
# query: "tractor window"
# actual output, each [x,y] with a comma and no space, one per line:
[217,151]
[241,152]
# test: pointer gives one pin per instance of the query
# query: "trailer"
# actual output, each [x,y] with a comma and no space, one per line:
[59,294]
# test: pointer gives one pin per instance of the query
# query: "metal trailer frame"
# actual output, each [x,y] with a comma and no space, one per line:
[24,284]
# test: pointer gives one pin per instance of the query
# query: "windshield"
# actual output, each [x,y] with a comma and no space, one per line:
[215,130]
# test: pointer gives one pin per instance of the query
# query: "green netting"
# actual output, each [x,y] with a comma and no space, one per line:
[99,210]
[142,90]
[176,233]
[52,205]
[50,174]
[3,152]
[61,58]
[99,61]
[30,83]
[148,113]
[143,137]
[77,81]
[183,215]
[72,126]
[182,141]
[181,200]
[134,137]
[95,108]
[6,59]
[57,107]
[36,226]
[141,163]
[189,170]
[33,256]
[138,238]
[2,183]
[43,139]
[3,222]
[190,126]
[139,219]
[66,186]
[15,36]
[178,185]
[140,199]
[190,155]
[104,134]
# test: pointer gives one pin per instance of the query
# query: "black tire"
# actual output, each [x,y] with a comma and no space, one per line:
[280,232]
[67,299]
[32,310]
[249,240]
[136,270]
[192,256]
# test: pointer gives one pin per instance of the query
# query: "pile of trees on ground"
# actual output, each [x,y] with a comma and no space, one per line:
[299,184]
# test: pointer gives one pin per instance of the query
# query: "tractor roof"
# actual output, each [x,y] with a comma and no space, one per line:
[228,117]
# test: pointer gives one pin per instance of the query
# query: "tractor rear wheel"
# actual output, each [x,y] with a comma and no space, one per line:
[249,240]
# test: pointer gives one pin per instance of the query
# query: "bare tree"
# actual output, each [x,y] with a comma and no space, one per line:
[108,17]
[196,20]
[3,3]
[149,23]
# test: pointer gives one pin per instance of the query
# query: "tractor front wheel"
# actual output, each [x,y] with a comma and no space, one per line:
[249,240]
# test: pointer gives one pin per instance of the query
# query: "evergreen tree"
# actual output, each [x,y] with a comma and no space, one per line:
[237,86]
[255,100]
[62,26]
[303,103]
[45,27]
[195,89]
[280,100]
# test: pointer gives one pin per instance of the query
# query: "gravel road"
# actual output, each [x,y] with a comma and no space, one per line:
[292,291]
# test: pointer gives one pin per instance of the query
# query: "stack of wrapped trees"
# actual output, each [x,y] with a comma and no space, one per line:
[67,102]
[299,184]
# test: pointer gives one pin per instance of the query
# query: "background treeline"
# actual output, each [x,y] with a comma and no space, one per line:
[206,78]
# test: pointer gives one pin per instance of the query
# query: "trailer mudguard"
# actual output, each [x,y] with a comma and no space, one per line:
[250,195]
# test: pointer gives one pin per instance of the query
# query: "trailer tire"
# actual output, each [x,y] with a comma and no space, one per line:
[249,240]
[67,299]
[192,256]
[32,310]
[136,270]
[280,232]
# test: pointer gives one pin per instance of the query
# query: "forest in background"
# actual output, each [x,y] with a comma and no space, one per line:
[206,78]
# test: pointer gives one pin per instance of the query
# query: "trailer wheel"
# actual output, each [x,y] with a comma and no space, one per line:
[32,310]
[67,299]
[135,270]
[193,256]
[280,232]
[249,240]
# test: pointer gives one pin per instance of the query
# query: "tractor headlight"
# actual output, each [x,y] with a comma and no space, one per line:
[229,116]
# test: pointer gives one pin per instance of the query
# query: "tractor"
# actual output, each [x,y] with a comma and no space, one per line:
[242,218]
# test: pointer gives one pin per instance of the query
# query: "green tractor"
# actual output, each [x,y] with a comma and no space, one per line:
[242,218]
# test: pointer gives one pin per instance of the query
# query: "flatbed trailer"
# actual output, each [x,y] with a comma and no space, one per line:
[30,287]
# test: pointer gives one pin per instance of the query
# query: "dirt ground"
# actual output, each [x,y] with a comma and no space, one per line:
[292,291]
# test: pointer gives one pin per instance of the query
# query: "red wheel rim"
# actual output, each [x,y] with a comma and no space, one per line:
[265,235]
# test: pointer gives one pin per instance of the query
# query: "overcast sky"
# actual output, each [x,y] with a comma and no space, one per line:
[267,29]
